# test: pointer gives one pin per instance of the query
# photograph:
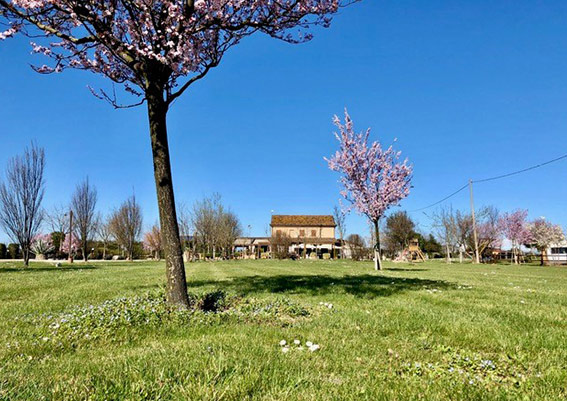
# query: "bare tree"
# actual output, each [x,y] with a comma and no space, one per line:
[229,229]
[152,241]
[445,226]
[58,219]
[83,204]
[21,196]
[280,243]
[339,217]
[126,225]
[206,218]
[184,219]
[104,234]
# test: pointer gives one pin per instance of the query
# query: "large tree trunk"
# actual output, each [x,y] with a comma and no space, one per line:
[377,261]
[175,270]
[85,251]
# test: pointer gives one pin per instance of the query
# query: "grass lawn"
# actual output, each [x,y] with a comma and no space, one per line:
[427,331]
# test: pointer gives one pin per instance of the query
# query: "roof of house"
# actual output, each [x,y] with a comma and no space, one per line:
[302,221]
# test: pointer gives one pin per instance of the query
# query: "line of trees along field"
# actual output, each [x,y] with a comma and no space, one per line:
[79,230]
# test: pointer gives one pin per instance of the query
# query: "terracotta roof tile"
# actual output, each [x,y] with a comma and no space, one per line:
[302,221]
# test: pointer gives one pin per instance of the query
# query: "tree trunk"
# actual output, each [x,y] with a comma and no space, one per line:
[377,261]
[448,254]
[26,254]
[175,270]
[85,256]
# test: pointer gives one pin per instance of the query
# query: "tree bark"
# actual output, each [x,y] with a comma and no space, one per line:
[175,269]
[85,256]
[26,254]
[377,261]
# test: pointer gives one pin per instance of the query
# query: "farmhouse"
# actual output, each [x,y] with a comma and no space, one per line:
[310,236]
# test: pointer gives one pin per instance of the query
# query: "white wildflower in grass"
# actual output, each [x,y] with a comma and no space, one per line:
[282,343]
[285,350]
[314,347]
[296,342]
[308,343]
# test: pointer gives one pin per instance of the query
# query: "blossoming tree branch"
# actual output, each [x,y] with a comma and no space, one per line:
[156,50]
[373,178]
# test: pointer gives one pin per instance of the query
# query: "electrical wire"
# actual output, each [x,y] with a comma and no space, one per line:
[498,177]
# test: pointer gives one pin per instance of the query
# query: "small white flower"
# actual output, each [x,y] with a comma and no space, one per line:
[285,350]
[296,342]
[283,342]
[314,347]
[309,343]
[330,306]
[45,338]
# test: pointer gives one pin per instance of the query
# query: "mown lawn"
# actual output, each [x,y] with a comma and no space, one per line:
[427,331]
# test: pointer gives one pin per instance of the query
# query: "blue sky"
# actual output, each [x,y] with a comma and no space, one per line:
[469,89]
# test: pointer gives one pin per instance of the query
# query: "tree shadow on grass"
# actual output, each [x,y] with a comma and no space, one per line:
[35,269]
[368,286]
[401,269]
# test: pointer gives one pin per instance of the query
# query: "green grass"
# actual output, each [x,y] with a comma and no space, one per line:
[427,331]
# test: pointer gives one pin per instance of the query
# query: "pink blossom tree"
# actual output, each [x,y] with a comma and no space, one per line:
[70,245]
[373,178]
[156,49]
[515,227]
[544,233]
[152,241]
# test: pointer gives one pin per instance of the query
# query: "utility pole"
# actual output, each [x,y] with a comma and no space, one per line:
[475,237]
[70,236]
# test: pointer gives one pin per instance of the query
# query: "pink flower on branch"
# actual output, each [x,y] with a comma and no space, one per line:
[127,40]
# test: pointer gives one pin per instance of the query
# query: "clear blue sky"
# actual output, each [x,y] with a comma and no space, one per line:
[470,89]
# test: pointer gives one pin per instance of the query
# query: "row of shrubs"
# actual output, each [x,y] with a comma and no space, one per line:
[12,251]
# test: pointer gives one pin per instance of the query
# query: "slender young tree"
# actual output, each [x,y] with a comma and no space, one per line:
[373,178]
[104,234]
[126,225]
[157,49]
[340,216]
[152,241]
[83,204]
[515,227]
[21,195]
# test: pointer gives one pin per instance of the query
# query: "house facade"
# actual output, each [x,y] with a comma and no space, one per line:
[309,236]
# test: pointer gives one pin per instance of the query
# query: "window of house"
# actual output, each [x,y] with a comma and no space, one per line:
[302,233]
[313,233]
[278,232]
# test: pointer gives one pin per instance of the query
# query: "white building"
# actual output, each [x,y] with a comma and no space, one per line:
[557,253]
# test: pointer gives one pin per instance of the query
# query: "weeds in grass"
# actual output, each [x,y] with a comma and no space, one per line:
[83,324]
[461,366]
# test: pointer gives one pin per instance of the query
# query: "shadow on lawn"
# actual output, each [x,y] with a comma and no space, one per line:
[401,269]
[363,286]
[33,269]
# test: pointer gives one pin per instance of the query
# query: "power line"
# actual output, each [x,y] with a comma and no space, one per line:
[520,171]
[442,200]
[490,179]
